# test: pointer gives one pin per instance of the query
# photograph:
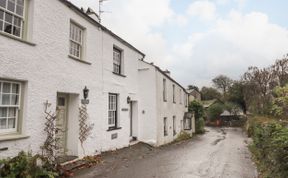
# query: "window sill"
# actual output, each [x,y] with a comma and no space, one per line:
[17,39]
[119,74]
[187,129]
[113,128]
[79,60]
[13,137]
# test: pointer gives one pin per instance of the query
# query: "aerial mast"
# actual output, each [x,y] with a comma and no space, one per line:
[100,11]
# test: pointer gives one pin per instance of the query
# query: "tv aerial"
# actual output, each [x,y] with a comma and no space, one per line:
[100,11]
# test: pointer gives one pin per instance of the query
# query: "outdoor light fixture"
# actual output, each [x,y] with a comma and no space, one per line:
[85,92]
[128,99]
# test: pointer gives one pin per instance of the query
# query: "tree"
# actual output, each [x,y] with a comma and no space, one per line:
[236,94]
[280,102]
[222,82]
[209,93]
[280,70]
[198,111]
[193,87]
[214,111]
[260,83]
[197,108]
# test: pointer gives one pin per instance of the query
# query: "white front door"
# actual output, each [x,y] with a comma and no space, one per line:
[61,123]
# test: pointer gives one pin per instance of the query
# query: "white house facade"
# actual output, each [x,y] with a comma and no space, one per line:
[50,51]
[163,106]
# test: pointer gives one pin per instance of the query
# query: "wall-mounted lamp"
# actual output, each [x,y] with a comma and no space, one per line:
[85,92]
[128,100]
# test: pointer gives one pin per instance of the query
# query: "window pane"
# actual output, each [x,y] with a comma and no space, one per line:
[6,99]
[17,22]
[8,18]
[11,123]
[8,28]
[11,5]
[20,2]
[15,88]
[1,14]
[1,25]
[3,112]
[16,31]
[6,87]
[14,99]
[12,112]
[19,10]
[3,123]
[3,3]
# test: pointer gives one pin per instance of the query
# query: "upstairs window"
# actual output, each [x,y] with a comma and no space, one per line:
[180,96]
[9,106]
[117,61]
[76,41]
[12,17]
[164,90]
[174,99]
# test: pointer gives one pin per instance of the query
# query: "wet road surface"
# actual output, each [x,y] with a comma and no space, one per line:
[220,153]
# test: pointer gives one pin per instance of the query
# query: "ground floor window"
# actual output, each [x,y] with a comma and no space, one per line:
[188,121]
[174,126]
[9,106]
[165,126]
[112,110]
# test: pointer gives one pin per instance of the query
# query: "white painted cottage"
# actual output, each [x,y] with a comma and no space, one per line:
[49,51]
[163,105]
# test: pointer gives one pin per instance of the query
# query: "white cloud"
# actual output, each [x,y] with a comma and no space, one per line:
[235,43]
[205,10]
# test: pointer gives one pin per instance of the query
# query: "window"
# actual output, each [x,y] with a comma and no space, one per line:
[186,99]
[180,95]
[9,106]
[165,126]
[112,110]
[188,121]
[174,101]
[174,126]
[117,61]
[12,17]
[76,41]
[164,90]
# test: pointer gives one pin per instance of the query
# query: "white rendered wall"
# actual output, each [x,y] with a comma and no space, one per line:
[46,69]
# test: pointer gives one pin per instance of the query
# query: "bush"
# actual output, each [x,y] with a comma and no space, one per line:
[270,148]
[214,111]
[183,136]
[26,166]
[200,126]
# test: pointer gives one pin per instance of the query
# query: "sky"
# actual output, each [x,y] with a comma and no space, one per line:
[199,39]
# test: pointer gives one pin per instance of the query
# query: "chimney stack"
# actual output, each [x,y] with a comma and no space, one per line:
[167,72]
[93,14]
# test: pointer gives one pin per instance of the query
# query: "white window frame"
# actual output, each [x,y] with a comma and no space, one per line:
[174,97]
[112,110]
[164,90]
[14,15]
[73,40]
[117,60]
[165,123]
[174,126]
[12,130]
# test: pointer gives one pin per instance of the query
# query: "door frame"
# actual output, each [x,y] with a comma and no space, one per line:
[66,96]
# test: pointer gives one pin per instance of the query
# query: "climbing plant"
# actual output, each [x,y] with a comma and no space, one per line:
[84,127]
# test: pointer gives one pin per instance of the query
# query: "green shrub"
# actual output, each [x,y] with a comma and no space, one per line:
[200,126]
[270,148]
[183,136]
[26,166]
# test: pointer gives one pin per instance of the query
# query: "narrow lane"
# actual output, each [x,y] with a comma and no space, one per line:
[220,153]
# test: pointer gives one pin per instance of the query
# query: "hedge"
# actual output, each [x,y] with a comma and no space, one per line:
[270,148]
